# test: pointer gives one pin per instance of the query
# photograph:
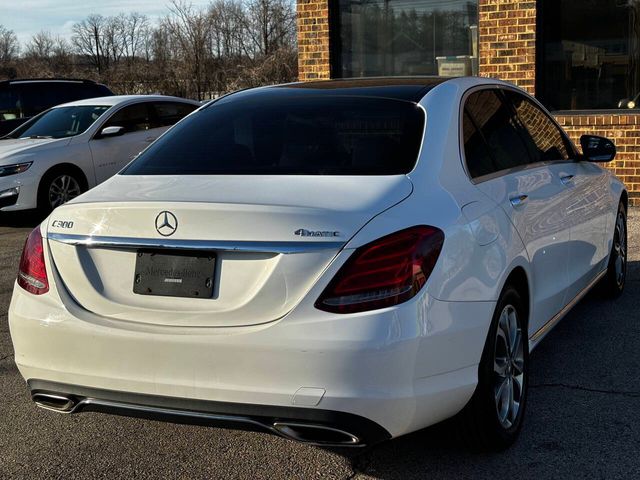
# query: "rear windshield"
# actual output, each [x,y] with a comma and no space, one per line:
[285,135]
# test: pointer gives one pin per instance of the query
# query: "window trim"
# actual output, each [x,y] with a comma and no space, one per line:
[335,43]
[507,171]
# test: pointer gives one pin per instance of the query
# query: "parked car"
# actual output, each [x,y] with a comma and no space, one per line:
[338,263]
[68,149]
[22,99]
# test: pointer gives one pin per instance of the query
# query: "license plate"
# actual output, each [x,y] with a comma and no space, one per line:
[179,274]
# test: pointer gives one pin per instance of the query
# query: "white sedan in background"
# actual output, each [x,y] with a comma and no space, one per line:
[70,148]
[337,262]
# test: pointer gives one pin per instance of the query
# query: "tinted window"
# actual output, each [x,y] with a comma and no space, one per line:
[285,135]
[477,154]
[493,120]
[544,140]
[91,90]
[133,118]
[28,99]
[169,113]
[10,105]
[60,122]
[37,97]
[589,55]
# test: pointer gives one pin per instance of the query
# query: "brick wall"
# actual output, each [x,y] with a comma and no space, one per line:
[624,130]
[507,36]
[313,39]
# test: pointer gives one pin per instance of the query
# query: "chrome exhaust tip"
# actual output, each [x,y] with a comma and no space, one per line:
[56,403]
[316,434]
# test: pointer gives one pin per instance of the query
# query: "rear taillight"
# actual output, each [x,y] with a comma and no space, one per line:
[384,273]
[32,275]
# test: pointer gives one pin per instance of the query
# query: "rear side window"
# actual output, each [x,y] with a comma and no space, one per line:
[10,107]
[91,90]
[169,113]
[37,97]
[543,138]
[284,135]
[133,118]
[477,154]
[493,135]
[28,99]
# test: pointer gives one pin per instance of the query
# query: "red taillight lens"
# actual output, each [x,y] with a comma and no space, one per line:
[32,275]
[384,273]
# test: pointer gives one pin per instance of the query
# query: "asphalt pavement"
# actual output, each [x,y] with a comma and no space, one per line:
[582,419]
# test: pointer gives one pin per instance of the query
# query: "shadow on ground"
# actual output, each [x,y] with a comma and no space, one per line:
[581,417]
[28,218]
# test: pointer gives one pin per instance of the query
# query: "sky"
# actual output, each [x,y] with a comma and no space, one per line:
[26,17]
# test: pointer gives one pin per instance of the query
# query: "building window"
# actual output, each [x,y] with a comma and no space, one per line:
[405,37]
[589,55]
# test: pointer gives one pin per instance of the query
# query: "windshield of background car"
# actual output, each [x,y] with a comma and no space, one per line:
[290,135]
[61,122]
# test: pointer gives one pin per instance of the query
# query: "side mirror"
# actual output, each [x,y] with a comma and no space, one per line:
[597,149]
[111,132]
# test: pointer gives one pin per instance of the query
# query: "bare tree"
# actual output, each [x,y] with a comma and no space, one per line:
[41,46]
[190,29]
[135,32]
[270,24]
[9,46]
[228,24]
[88,40]
[192,51]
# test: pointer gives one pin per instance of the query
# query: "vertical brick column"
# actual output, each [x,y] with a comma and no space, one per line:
[313,40]
[507,35]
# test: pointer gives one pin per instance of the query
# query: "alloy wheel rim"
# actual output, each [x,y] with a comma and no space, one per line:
[63,189]
[508,367]
[620,250]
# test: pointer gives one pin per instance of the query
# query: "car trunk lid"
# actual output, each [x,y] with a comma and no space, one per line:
[272,237]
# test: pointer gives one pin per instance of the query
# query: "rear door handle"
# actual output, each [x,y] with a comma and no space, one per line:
[519,200]
[567,179]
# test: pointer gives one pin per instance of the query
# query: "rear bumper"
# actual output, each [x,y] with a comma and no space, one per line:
[401,369]
[315,426]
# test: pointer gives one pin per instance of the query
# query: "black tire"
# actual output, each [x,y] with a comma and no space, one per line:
[53,179]
[480,424]
[612,284]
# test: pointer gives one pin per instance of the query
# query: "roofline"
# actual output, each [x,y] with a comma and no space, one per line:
[379,77]
[115,100]
[54,79]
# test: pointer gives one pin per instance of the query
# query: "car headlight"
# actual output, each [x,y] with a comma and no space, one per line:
[6,170]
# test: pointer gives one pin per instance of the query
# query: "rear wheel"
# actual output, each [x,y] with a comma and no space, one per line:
[616,276]
[58,187]
[493,417]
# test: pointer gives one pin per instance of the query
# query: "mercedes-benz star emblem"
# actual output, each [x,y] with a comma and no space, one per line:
[166,223]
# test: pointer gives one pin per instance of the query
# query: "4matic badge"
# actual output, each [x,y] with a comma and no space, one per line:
[316,233]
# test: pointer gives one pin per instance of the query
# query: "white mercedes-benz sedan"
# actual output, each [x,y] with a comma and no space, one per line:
[68,149]
[336,262]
